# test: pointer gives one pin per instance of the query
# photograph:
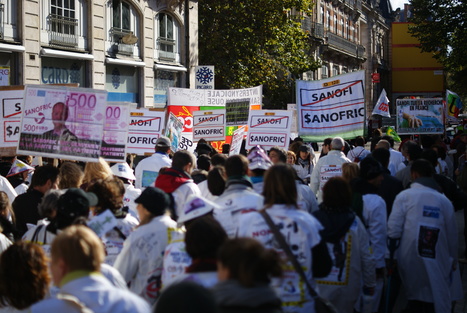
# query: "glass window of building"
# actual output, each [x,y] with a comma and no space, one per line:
[167,43]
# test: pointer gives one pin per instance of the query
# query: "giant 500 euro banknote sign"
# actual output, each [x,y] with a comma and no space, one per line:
[62,122]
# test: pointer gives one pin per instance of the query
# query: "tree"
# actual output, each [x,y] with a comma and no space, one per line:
[253,42]
[441,28]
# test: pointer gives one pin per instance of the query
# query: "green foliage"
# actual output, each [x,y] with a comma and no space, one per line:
[254,42]
[440,25]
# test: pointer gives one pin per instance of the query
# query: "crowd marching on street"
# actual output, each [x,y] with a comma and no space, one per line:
[359,224]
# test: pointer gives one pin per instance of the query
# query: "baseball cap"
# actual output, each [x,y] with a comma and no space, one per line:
[163,141]
[75,202]
[123,170]
[194,207]
[258,159]
[155,200]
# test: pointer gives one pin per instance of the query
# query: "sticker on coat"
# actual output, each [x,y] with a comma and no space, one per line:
[427,239]
[431,211]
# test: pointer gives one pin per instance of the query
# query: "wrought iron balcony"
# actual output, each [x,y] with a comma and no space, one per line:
[345,45]
[166,49]
[63,30]
[119,47]
[314,29]
[2,8]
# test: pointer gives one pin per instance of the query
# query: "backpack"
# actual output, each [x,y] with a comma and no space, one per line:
[357,158]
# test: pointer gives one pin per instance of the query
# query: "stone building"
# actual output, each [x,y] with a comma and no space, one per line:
[133,49]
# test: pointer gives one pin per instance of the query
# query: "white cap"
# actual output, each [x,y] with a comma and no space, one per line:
[194,207]
[123,170]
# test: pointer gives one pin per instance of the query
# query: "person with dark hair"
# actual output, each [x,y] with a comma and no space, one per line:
[374,216]
[203,165]
[60,132]
[124,172]
[25,205]
[376,136]
[110,194]
[359,152]
[333,161]
[277,155]
[140,261]
[245,270]
[69,206]
[413,153]
[147,169]
[348,244]
[218,159]
[177,180]
[423,220]
[203,148]
[216,182]
[306,160]
[177,258]
[300,230]
[238,195]
[325,147]
[225,148]
[76,256]
[390,186]
[196,299]
[24,277]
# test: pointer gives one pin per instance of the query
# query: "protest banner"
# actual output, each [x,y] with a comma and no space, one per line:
[453,105]
[183,102]
[332,107]
[237,139]
[62,122]
[173,131]
[269,128]
[114,139]
[145,128]
[209,125]
[11,105]
[420,116]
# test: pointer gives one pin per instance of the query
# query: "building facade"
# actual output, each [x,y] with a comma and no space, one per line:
[133,49]
[351,35]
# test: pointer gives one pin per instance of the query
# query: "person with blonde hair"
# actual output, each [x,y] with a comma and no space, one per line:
[300,230]
[77,254]
[70,175]
[94,171]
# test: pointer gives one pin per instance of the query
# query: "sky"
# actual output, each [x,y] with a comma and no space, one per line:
[398,4]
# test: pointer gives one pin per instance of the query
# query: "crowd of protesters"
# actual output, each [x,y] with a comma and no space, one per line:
[208,232]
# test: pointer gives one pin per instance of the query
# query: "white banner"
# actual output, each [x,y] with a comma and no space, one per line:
[382,105]
[237,139]
[201,97]
[114,139]
[144,129]
[63,122]
[209,125]
[269,128]
[332,107]
[11,106]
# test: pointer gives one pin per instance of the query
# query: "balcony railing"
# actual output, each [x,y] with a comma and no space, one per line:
[63,31]
[315,29]
[345,45]
[2,8]
[166,49]
[116,35]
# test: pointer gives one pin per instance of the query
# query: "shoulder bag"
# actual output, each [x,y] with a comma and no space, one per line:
[321,305]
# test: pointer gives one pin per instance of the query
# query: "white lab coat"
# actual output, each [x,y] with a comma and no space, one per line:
[395,160]
[131,193]
[147,169]
[374,217]
[424,220]
[318,179]
[113,241]
[6,187]
[176,260]
[358,152]
[237,198]
[306,199]
[301,232]
[358,270]
[97,294]
[182,193]
[140,261]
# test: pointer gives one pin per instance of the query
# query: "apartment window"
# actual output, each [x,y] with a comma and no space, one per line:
[63,24]
[123,23]
[328,21]
[121,15]
[324,71]
[167,38]
[341,27]
[335,70]
[347,29]
[335,24]
[322,15]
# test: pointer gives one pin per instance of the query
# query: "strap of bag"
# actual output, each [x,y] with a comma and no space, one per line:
[36,234]
[74,301]
[285,247]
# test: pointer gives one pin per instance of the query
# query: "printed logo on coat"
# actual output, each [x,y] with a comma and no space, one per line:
[431,211]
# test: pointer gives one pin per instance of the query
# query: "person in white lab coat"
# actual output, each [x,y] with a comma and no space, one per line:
[140,261]
[124,172]
[424,221]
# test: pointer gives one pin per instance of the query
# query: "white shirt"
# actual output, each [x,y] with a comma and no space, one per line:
[147,169]
[374,217]
[8,189]
[358,152]
[140,261]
